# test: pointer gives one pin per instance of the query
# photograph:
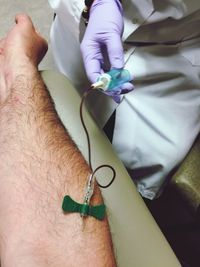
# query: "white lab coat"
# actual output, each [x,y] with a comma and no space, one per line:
[157,123]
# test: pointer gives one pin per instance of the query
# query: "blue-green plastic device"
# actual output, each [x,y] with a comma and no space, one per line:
[113,79]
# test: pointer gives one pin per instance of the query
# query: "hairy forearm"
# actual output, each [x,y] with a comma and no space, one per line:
[39,165]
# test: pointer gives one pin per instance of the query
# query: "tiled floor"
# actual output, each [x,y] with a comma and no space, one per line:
[38,10]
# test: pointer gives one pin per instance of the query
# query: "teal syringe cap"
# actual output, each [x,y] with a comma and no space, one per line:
[102,82]
[113,79]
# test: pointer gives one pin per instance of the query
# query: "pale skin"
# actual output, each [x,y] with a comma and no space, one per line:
[39,165]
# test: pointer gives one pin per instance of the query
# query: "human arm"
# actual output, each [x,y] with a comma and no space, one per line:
[39,165]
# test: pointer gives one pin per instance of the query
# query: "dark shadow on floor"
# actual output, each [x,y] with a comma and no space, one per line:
[181,229]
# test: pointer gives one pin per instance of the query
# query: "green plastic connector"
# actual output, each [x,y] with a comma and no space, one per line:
[69,205]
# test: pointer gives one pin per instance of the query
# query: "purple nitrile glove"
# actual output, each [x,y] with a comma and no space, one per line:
[123,89]
[104,30]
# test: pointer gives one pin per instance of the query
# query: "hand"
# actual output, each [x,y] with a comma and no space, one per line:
[23,41]
[104,29]
[21,47]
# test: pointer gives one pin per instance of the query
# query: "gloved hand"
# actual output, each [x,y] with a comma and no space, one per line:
[104,29]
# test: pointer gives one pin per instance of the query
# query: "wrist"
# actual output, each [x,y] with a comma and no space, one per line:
[105,5]
[10,76]
[24,68]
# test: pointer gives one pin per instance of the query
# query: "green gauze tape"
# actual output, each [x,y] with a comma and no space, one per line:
[69,205]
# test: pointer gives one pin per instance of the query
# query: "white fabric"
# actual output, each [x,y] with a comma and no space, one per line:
[157,123]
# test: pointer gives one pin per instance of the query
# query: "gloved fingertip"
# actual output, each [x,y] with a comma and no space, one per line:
[127,87]
[93,77]
[116,98]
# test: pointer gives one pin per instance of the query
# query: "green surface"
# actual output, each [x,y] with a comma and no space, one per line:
[69,205]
